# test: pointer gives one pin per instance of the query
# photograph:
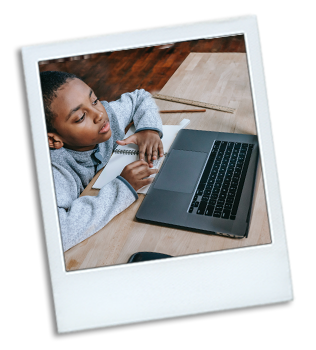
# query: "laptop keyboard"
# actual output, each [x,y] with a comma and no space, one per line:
[219,191]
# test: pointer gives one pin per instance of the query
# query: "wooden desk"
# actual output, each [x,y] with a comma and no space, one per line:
[218,78]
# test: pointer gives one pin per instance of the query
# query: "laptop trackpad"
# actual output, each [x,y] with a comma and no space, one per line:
[181,171]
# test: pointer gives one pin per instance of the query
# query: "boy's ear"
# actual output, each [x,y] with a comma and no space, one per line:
[54,140]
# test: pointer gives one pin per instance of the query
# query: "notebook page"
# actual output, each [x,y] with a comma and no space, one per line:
[118,161]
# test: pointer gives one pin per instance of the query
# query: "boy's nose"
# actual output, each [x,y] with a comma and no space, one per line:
[98,117]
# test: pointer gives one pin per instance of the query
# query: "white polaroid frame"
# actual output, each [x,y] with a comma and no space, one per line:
[187,285]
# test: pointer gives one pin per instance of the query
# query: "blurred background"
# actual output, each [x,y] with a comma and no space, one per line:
[110,74]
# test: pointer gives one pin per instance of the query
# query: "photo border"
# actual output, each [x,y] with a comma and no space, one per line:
[128,293]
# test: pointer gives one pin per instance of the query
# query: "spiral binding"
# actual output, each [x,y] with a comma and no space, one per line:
[128,152]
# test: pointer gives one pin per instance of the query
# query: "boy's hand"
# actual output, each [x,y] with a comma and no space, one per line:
[135,173]
[148,142]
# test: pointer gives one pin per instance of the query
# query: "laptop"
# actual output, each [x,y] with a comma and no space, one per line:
[205,184]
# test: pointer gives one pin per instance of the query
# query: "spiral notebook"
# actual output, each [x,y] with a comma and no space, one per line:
[124,155]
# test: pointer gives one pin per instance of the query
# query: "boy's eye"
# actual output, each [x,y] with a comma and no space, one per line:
[81,119]
[84,115]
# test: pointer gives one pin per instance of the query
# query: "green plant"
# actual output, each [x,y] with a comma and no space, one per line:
[268,61]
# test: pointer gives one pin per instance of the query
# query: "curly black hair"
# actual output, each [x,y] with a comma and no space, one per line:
[51,81]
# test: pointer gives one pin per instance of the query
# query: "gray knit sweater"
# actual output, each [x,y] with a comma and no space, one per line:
[81,217]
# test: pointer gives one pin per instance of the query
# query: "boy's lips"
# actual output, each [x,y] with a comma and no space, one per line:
[105,128]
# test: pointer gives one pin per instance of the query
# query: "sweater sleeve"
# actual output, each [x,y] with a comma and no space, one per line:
[138,106]
[80,218]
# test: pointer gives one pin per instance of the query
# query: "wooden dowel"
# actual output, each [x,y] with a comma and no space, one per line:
[183,111]
[194,103]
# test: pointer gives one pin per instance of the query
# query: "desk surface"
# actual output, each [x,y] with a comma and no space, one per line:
[218,78]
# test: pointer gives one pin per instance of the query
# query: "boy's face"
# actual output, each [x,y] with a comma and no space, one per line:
[80,119]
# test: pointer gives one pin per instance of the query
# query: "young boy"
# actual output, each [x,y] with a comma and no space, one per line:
[82,134]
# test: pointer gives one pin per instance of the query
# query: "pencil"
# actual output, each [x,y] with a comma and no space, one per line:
[183,111]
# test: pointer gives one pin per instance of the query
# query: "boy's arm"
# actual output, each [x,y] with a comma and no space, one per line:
[81,217]
[140,107]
